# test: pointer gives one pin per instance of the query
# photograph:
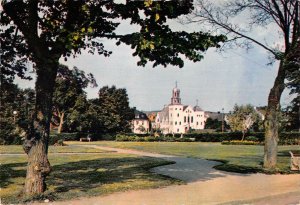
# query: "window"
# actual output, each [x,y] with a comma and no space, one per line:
[184,119]
[192,119]
[177,114]
[188,119]
[180,123]
[142,123]
[175,122]
[171,115]
[201,123]
[177,130]
[175,108]
[197,123]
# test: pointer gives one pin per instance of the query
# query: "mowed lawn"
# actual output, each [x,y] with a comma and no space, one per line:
[81,172]
[237,158]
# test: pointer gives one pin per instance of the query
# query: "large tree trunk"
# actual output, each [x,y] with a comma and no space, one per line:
[61,122]
[36,143]
[271,120]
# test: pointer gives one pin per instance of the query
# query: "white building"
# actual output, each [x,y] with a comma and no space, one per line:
[141,123]
[178,118]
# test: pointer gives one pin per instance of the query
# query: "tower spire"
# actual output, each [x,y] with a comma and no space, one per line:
[176,100]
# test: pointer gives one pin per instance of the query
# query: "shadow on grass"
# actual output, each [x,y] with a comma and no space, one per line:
[234,165]
[123,173]
[10,171]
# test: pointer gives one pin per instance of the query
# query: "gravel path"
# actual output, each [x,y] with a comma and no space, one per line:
[205,185]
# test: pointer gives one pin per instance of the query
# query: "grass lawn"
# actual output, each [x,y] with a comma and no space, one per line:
[237,158]
[75,175]
[17,149]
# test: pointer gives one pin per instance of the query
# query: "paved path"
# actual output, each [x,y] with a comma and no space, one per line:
[205,185]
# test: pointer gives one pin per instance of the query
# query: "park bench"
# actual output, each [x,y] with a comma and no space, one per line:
[295,161]
[85,139]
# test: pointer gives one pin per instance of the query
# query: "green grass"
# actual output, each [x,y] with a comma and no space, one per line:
[236,158]
[83,175]
[17,149]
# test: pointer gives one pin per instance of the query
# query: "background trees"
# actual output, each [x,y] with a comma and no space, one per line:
[284,15]
[242,118]
[16,106]
[68,92]
[110,112]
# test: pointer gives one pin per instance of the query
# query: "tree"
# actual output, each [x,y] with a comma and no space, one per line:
[45,31]
[242,118]
[15,107]
[115,114]
[292,113]
[285,15]
[215,124]
[69,86]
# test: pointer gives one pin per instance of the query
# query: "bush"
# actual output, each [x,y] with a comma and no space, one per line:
[54,138]
[289,138]
[252,138]
[239,142]
[135,138]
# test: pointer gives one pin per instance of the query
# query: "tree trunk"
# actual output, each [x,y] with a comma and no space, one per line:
[61,122]
[36,143]
[243,135]
[271,120]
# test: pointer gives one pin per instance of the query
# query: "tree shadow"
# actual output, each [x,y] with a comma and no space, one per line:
[10,171]
[88,174]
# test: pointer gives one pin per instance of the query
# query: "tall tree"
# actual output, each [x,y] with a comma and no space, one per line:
[45,31]
[282,13]
[69,86]
[112,110]
[242,118]
[15,108]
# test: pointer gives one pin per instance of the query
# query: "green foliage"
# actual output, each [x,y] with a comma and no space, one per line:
[135,138]
[13,99]
[60,137]
[292,114]
[69,96]
[215,124]
[239,142]
[110,113]
[242,118]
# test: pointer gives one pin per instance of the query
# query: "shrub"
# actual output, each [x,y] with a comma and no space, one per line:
[251,138]
[239,142]
[54,138]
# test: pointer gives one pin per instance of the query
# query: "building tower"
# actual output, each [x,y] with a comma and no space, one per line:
[176,100]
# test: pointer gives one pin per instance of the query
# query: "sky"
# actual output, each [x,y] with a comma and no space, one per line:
[219,81]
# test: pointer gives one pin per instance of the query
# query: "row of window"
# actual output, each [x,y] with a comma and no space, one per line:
[179,123]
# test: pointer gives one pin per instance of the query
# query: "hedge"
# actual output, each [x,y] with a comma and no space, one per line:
[287,138]
[135,138]
[54,138]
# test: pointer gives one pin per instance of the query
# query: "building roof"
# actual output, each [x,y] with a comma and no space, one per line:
[197,108]
[140,115]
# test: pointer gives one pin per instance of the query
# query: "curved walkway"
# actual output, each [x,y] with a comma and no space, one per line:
[205,185]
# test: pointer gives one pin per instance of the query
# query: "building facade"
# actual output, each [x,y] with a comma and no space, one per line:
[140,123]
[178,118]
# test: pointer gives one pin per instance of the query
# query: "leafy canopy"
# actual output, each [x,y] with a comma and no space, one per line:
[40,29]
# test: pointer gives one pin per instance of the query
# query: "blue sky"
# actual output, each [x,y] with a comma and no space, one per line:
[219,81]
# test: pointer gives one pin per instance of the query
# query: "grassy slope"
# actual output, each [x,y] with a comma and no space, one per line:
[239,158]
[83,175]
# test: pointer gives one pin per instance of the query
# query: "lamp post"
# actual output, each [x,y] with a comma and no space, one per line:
[222,120]
[15,114]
